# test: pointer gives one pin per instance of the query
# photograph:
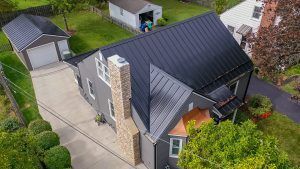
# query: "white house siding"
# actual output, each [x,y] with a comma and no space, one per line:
[157,12]
[127,17]
[242,14]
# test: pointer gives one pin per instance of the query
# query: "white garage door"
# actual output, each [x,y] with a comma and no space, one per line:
[42,55]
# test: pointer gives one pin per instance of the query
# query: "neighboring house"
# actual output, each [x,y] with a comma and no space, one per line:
[243,19]
[134,12]
[148,87]
[36,40]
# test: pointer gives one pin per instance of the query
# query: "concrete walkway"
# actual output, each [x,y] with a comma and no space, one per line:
[280,99]
[57,92]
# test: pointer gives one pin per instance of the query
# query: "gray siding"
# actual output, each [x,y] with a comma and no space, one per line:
[41,41]
[87,69]
[243,85]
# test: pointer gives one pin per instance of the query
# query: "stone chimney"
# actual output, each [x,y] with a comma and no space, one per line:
[127,131]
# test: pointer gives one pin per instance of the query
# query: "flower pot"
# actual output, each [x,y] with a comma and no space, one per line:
[265,115]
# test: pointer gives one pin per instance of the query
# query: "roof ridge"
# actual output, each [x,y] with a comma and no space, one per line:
[155,31]
[26,16]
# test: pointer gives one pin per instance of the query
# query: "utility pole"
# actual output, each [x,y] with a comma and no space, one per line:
[10,96]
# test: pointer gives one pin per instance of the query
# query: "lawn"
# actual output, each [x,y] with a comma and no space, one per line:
[176,11]
[91,31]
[290,72]
[27,106]
[287,132]
[232,3]
[23,4]
[3,39]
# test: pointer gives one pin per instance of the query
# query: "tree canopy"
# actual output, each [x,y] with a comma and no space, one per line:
[277,45]
[228,145]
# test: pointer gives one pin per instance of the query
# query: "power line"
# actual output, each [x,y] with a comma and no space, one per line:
[83,133]
[66,121]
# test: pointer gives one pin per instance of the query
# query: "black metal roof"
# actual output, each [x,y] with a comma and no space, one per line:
[199,52]
[26,28]
[226,100]
[132,6]
[78,58]
[167,97]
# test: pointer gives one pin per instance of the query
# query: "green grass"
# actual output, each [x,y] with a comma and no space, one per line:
[91,31]
[290,87]
[292,71]
[23,4]
[27,107]
[176,11]
[287,132]
[3,39]
[232,3]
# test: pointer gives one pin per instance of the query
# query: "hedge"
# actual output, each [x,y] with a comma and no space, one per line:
[38,126]
[259,104]
[57,157]
[9,124]
[46,140]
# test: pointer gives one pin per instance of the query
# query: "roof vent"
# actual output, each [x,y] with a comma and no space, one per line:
[121,60]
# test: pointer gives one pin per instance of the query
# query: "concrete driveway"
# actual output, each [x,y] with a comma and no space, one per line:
[60,102]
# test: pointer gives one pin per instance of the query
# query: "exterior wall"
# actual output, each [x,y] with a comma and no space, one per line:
[242,86]
[157,13]
[41,41]
[87,69]
[127,17]
[162,145]
[242,14]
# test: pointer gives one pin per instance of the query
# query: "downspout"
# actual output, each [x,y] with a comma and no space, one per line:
[155,155]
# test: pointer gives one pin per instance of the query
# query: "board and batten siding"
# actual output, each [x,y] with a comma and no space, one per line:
[242,14]
[127,17]
[87,70]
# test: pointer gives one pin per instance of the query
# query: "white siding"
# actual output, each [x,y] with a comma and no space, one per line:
[157,12]
[242,14]
[127,17]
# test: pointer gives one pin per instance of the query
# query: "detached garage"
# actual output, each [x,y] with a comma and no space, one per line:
[37,41]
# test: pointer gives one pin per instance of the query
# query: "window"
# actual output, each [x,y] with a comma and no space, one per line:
[257,12]
[103,72]
[233,87]
[231,29]
[111,109]
[243,42]
[91,89]
[121,11]
[175,147]
[191,106]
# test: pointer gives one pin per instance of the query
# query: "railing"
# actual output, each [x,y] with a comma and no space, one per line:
[115,21]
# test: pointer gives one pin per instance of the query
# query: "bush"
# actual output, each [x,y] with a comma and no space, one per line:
[38,126]
[259,105]
[161,22]
[57,157]
[9,124]
[46,140]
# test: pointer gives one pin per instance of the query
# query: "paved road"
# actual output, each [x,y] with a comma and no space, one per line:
[280,99]
[56,91]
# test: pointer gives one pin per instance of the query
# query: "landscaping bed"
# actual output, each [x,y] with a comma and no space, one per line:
[91,31]
[27,106]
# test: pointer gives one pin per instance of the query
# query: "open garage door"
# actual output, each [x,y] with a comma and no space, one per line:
[42,55]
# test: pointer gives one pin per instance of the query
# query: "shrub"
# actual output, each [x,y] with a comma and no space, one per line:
[9,124]
[45,140]
[161,22]
[57,157]
[259,105]
[38,126]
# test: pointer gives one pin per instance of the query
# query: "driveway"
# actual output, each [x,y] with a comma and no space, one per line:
[280,99]
[72,118]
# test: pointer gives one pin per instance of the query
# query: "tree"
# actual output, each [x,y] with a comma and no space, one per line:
[277,45]
[63,7]
[220,6]
[228,145]
[9,124]
[57,157]
[7,6]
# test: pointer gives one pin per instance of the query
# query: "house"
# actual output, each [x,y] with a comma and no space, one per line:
[148,87]
[134,12]
[243,19]
[36,40]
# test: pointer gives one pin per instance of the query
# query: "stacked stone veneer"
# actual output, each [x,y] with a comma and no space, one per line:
[127,132]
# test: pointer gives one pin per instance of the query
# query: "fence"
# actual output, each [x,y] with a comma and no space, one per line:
[115,21]
[5,47]
[45,10]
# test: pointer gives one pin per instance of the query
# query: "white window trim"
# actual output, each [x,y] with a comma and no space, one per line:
[100,56]
[109,103]
[92,95]
[191,106]
[102,64]
[121,11]
[171,145]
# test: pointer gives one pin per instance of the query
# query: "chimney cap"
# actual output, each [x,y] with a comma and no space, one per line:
[121,60]
[118,61]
